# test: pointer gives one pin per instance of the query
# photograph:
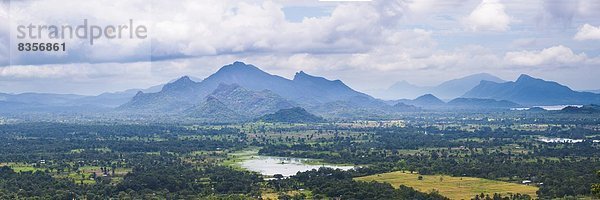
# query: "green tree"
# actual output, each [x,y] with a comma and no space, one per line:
[596,187]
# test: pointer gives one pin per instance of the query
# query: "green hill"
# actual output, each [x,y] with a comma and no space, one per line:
[292,115]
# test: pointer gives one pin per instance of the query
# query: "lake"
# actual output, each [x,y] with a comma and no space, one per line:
[559,140]
[554,107]
[562,140]
[286,166]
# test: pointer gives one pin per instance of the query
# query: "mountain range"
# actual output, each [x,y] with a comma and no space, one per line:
[447,90]
[586,109]
[331,98]
[431,102]
[240,91]
[425,101]
[48,102]
[530,91]
[304,90]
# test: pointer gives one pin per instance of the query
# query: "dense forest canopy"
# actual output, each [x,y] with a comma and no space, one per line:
[186,161]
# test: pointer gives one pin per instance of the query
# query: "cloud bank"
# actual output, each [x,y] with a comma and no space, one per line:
[366,44]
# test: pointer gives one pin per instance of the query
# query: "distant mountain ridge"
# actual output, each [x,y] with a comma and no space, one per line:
[240,91]
[427,100]
[40,98]
[586,109]
[447,90]
[175,96]
[527,90]
[431,102]
[303,90]
[69,102]
[474,103]
[326,90]
[593,91]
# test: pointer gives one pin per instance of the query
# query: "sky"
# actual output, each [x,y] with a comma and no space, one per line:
[368,45]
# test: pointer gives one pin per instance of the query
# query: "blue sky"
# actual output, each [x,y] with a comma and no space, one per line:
[368,45]
[298,13]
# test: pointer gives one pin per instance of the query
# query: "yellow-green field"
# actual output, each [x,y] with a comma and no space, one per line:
[451,187]
[272,195]
[235,159]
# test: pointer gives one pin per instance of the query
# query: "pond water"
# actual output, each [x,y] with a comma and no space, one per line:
[554,107]
[562,140]
[286,166]
[559,140]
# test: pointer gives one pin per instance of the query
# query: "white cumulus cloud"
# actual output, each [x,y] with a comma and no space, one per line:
[556,55]
[588,32]
[366,44]
[4,40]
[489,15]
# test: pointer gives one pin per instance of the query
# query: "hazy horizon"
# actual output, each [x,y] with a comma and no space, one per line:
[199,79]
[367,45]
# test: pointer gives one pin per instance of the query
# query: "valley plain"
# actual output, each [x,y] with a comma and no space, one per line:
[300,99]
[457,156]
[242,133]
[452,187]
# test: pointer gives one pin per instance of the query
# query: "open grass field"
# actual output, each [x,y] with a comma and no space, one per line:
[20,167]
[235,159]
[272,195]
[451,187]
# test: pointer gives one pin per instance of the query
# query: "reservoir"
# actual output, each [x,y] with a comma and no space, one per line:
[286,166]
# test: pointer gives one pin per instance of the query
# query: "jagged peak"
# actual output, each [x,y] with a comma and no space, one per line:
[239,66]
[525,77]
[301,75]
[184,81]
